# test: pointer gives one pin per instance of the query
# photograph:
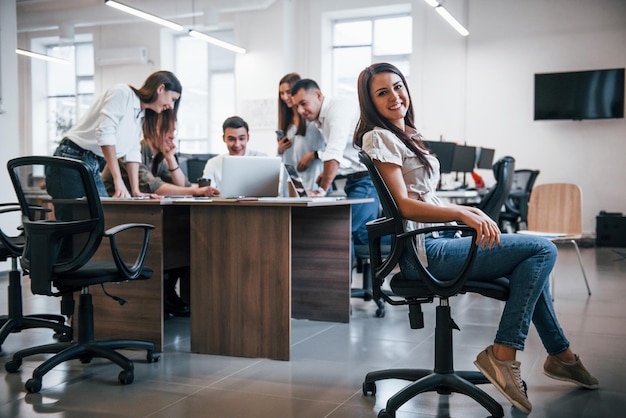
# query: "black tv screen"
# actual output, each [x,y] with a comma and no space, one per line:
[578,95]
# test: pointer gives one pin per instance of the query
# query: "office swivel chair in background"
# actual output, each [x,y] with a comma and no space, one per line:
[443,378]
[58,258]
[514,217]
[363,266]
[192,165]
[11,248]
[493,201]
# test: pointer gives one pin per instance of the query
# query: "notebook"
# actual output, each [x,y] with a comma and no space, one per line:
[244,176]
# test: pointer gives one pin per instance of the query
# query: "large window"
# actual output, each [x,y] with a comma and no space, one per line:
[207,74]
[359,42]
[68,91]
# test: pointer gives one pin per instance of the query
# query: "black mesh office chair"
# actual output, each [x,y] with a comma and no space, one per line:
[58,258]
[443,378]
[15,321]
[493,201]
[363,266]
[514,217]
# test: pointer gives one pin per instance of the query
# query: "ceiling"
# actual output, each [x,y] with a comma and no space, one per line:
[38,15]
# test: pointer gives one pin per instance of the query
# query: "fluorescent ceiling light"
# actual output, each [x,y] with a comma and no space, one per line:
[451,20]
[143,15]
[432,3]
[215,41]
[41,56]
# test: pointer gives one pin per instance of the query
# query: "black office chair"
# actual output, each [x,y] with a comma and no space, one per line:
[443,378]
[514,217]
[493,201]
[58,258]
[15,321]
[363,266]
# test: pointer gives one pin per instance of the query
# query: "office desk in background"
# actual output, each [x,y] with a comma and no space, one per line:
[254,266]
[142,316]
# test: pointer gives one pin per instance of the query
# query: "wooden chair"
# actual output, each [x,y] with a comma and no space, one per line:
[555,212]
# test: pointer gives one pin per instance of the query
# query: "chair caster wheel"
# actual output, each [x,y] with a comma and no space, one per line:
[126,377]
[369,388]
[12,366]
[386,414]
[86,358]
[33,385]
[380,312]
[152,357]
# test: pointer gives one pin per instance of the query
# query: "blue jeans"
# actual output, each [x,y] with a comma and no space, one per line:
[67,185]
[526,261]
[363,212]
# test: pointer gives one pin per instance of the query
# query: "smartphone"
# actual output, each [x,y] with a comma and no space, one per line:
[280,134]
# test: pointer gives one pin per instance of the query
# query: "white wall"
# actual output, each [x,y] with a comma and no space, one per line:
[476,90]
[9,113]
[510,41]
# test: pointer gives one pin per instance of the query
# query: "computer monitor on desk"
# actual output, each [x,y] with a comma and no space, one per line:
[484,158]
[464,159]
[444,152]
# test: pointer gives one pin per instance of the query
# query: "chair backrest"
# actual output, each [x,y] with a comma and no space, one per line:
[73,229]
[556,208]
[524,180]
[493,201]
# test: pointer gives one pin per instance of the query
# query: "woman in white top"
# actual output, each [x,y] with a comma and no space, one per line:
[300,139]
[386,131]
[112,128]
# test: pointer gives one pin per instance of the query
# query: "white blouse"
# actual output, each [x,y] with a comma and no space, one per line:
[384,146]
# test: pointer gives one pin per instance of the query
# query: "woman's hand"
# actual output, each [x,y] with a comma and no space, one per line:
[487,229]
[207,191]
[121,191]
[284,144]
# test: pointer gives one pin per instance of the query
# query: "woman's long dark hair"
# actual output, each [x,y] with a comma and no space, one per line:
[285,113]
[148,94]
[370,118]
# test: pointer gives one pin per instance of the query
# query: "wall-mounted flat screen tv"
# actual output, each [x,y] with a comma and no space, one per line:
[577,95]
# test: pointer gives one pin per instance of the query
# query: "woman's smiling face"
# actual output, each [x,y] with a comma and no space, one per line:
[390,97]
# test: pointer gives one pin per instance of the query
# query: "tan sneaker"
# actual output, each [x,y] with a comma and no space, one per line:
[575,373]
[505,376]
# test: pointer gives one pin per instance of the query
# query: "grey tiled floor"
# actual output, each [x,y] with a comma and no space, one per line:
[329,361]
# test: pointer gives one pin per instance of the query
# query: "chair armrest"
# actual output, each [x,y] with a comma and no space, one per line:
[130,272]
[404,241]
[443,288]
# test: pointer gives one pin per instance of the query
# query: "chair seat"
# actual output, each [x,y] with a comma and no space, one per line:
[95,272]
[496,289]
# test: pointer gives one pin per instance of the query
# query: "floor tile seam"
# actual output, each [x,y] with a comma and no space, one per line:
[200,388]
[328,328]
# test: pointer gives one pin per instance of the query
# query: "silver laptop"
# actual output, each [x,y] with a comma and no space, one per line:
[244,176]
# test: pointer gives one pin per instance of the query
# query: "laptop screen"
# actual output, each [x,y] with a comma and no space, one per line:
[244,176]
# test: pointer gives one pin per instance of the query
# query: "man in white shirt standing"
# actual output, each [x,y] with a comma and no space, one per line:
[337,118]
[236,137]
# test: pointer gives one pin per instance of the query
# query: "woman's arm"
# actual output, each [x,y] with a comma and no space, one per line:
[488,230]
[118,182]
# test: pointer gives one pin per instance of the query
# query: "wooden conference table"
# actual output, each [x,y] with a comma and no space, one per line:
[254,266]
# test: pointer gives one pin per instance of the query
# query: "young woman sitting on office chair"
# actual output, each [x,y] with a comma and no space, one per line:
[386,131]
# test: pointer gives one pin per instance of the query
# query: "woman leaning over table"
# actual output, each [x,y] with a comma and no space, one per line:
[112,128]
[386,131]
